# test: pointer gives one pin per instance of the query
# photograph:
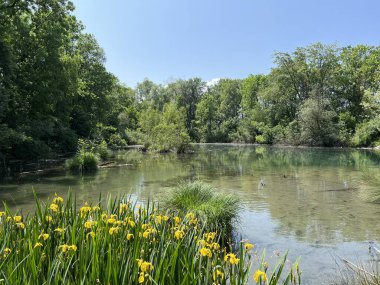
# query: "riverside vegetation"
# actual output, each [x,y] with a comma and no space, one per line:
[55,90]
[125,243]
[220,211]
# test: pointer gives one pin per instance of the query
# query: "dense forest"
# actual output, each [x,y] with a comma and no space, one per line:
[55,91]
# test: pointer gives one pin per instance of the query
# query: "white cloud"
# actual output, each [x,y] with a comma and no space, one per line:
[212,82]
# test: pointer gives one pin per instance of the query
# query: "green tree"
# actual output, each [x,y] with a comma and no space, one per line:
[207,118]
[170,133]
[186,94]
[318,122]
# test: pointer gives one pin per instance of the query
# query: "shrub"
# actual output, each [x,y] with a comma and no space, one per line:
[135,136]
[102,150]
[116,140]
[317,123]
[119,244]
[169,138]
[220,211]
[30,148]
[83,162]
[368,133]
[260,139]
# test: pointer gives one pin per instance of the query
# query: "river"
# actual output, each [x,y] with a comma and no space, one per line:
[301,200]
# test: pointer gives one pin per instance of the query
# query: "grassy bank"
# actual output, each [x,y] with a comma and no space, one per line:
[122,243]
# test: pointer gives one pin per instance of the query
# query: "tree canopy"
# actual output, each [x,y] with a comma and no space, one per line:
[55,89]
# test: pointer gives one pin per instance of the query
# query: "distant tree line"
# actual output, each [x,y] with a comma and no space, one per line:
[55,90]
[320,95]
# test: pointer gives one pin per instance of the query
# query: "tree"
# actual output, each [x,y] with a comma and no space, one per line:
[186,94]
[207,118]
[165,132]
[318,123]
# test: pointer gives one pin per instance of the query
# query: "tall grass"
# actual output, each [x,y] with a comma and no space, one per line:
[358,274]
[121,243]
[220,211]
[83,162]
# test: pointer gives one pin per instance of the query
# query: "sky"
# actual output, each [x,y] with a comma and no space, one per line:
[164,40]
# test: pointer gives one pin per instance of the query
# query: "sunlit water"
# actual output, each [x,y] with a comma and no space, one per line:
[301,200]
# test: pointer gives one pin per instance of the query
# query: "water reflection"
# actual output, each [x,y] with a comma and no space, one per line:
[305,200]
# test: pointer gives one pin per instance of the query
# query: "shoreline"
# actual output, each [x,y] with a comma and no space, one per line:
[59,163]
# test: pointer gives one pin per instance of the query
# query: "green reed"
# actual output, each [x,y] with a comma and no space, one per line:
[122,243]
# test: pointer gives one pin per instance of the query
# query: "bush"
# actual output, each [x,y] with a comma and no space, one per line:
[135,137]
[260,139]
[165,132]
[116,140]
[169,138]
[217,209]
[368,133]
[317,123]
[102,150]
[83,162]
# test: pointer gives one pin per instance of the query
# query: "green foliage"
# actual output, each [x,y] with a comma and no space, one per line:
[55,89]
[207,118]
[62,89]
[136,137]
[317,123]
[83,162]
[219,210]
[367,133]
[102,150]
[108,134]
[119,243]
[165,132]
[116,140]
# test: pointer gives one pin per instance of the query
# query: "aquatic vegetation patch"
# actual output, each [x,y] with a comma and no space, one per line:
[370,186]
[83,162]
[220,211]
[123,243]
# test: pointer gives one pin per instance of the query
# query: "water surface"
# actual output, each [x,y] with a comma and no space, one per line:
[301,200]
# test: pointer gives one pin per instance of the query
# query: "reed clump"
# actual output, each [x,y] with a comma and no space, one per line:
[221,211]
[122,243]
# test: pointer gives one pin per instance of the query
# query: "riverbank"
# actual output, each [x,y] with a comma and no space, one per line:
[25,168]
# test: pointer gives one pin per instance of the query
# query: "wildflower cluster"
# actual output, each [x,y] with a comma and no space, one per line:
[120,244]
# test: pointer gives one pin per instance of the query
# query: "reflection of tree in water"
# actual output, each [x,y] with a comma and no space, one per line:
[311,192]
[308,191]
[314,212]
[245,159]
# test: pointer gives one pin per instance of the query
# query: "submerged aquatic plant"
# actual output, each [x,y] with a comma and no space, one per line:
[370,186]
[121,243]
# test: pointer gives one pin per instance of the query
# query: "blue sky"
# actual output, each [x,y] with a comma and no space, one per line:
[165,40]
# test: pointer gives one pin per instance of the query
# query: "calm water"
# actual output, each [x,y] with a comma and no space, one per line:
[301,200]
